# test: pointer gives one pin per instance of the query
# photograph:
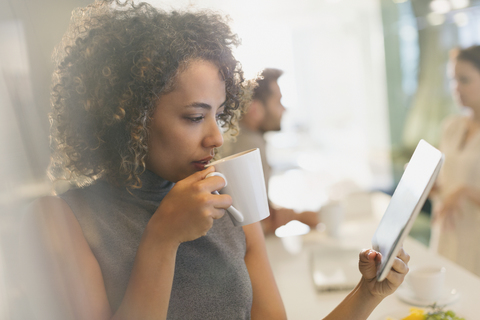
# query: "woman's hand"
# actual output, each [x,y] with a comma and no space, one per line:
[368,264]
[450,207]
[188,210]
[361,301]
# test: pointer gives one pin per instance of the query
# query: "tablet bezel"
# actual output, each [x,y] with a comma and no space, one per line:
[432,160]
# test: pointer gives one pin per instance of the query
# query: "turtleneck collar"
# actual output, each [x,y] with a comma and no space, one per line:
[154,188]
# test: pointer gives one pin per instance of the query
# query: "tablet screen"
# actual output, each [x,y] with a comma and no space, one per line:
[405,204]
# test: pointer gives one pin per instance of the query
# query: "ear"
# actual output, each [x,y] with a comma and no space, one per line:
[254,115]
[256,110]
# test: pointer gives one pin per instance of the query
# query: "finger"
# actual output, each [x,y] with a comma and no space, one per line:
[363,256]
[221,201]
[367,255]
[213,183]
[405,257]
[368,263]
[218,213]
[200,175]
[400,266]
[395,278]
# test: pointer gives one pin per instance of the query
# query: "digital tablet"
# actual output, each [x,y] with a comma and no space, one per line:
[405,204]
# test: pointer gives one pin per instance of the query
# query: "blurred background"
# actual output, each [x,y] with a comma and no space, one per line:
[364,81]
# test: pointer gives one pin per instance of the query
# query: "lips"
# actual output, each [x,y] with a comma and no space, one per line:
[200,164]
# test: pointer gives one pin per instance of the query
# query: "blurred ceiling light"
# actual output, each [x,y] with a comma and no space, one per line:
[460,4]
[399,1]
[461,19]
[435,19]
[440,6]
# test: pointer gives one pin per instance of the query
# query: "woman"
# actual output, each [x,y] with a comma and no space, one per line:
[139,97]
[457,201]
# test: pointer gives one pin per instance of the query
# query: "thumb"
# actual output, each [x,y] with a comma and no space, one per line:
[368,263]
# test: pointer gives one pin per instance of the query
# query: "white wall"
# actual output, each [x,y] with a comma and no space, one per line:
[336,125]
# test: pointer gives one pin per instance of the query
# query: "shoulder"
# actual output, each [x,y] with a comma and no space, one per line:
[48,209]
[82,200]
[60,274]
[50,223]
[50,235]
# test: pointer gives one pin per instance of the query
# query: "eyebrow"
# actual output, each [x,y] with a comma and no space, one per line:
[203,105]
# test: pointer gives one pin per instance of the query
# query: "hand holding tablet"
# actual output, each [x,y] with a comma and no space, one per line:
[407,200]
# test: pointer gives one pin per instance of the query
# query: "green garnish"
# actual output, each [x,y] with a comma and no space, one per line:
[439,314]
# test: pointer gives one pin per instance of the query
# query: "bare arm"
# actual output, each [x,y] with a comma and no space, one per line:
[64,277]
[369,293]
[281,216]
[60,273]
[267,303]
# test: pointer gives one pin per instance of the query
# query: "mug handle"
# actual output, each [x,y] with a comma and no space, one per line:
[233,211]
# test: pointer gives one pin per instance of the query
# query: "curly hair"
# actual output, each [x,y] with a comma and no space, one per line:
[112,65]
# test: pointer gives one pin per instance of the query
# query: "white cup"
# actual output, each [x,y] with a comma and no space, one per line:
[331,215]
[245,183]
[427,282]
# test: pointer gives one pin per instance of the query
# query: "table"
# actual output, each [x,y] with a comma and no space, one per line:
[290,256]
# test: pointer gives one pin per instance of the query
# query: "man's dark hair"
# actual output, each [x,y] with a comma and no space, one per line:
[471,54]
[262,91]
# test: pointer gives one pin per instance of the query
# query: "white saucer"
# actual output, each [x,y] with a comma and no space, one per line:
[448,296]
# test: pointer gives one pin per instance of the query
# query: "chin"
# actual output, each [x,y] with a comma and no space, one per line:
[172,177]
[182,176]
[177,178]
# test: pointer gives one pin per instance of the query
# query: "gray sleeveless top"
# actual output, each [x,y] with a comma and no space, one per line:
[211,280]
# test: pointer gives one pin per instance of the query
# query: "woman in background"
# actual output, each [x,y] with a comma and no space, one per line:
[457,198]
[139,97]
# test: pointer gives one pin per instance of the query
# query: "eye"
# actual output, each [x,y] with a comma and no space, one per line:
[195,118]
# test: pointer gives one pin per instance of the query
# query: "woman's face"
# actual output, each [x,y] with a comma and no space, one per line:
[467,78]
[184,130]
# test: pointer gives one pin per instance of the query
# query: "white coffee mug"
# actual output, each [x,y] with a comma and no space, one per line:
[245,183]
[331,215]
[427,282]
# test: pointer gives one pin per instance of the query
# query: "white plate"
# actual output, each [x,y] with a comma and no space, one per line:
[448,296]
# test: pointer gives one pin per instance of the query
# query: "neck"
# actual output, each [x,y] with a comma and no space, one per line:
[250,125]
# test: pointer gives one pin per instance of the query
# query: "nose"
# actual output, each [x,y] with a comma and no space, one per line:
[213,136]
